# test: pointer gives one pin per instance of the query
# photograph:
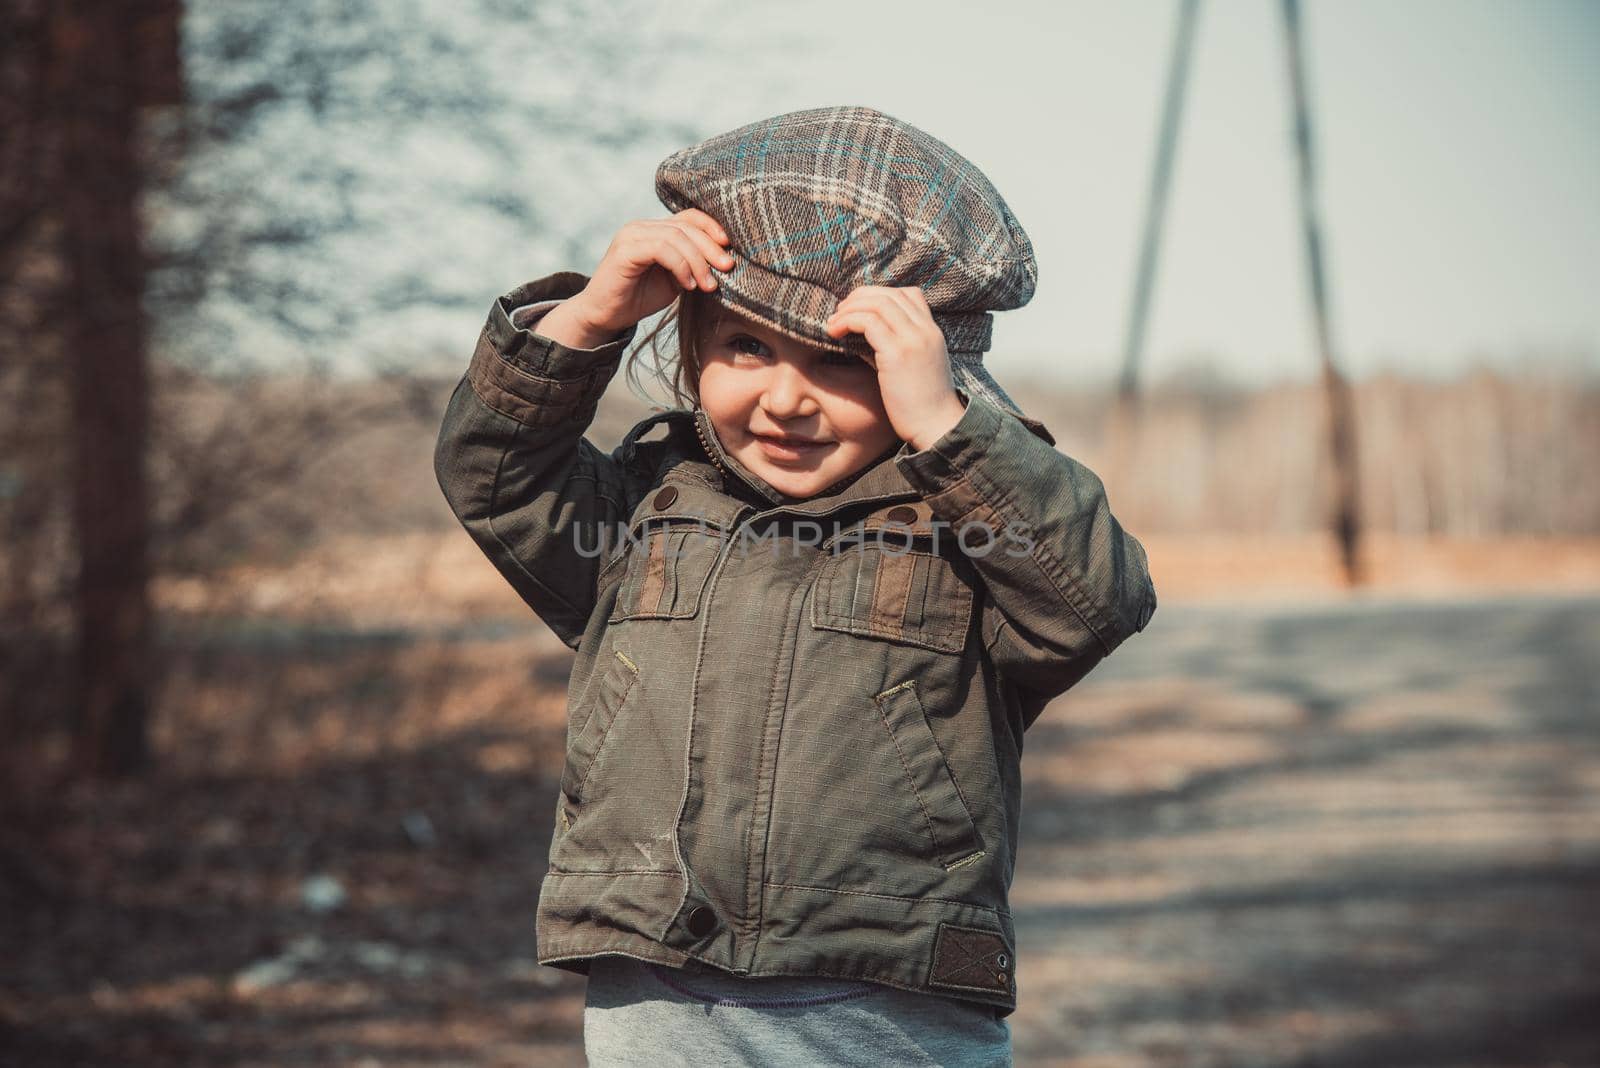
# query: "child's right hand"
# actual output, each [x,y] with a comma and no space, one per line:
[648,263]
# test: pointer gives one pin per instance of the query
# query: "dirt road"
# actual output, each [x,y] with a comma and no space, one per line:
[1363,835]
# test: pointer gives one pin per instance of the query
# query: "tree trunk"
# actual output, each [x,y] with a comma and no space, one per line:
[103,72]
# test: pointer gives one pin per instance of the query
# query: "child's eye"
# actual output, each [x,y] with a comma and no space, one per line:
[739,341]
[843,359]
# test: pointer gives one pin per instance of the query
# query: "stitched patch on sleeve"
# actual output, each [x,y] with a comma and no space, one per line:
[970,958]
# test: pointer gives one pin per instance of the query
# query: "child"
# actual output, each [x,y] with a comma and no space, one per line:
[812,619]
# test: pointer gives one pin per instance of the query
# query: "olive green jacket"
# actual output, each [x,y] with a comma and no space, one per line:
[793,726]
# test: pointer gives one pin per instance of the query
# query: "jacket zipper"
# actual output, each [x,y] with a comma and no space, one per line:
[710,452]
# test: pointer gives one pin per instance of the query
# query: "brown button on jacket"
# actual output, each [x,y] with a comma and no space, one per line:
[794,726]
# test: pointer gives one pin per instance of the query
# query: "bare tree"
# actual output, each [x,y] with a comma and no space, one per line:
[100,76]
[278,188]
[316,193]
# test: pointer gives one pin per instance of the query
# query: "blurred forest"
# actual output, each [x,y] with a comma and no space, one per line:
[301,817]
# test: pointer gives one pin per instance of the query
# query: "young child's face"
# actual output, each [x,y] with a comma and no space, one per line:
[757,385]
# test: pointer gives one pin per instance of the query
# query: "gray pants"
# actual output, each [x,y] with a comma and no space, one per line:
[639,1013]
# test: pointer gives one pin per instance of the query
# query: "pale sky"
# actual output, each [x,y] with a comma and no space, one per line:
[1459,145]
[1458,141]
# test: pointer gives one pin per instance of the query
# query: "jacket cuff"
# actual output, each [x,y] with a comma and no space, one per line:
[944,463]
[536,380]
[527,317]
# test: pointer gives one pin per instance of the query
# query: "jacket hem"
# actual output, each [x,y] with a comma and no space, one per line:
[897,941]
[880,938]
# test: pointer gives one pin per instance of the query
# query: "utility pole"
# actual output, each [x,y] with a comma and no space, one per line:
[1345,502]
[1156,202]
[1122,426]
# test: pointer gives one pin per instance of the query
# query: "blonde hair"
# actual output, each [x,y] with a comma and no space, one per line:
[687,323]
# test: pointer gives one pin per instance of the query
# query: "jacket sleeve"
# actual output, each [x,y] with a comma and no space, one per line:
[1065,583]
[535,494]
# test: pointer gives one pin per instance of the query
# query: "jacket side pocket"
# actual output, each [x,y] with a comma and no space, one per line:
[611,692]
[947,821]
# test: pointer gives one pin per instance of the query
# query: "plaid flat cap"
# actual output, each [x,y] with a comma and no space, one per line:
[818,202]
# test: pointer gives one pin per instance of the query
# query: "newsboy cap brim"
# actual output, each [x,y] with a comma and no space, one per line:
[798,308]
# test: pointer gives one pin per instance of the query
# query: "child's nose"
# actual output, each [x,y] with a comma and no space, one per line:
[788,394]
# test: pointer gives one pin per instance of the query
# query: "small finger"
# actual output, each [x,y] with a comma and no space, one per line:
[899,310]
[918,314]
[703,220]
[865,297]
[713,252]
[881,306]
[916,302]
[672,257]
[868,324]
[699,270]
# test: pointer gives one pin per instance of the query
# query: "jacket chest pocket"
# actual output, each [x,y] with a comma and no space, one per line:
[664,566]
[895,586]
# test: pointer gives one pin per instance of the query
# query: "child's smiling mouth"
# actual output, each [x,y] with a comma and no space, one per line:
[790,448]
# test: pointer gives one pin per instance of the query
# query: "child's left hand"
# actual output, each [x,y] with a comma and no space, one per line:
[909,355]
